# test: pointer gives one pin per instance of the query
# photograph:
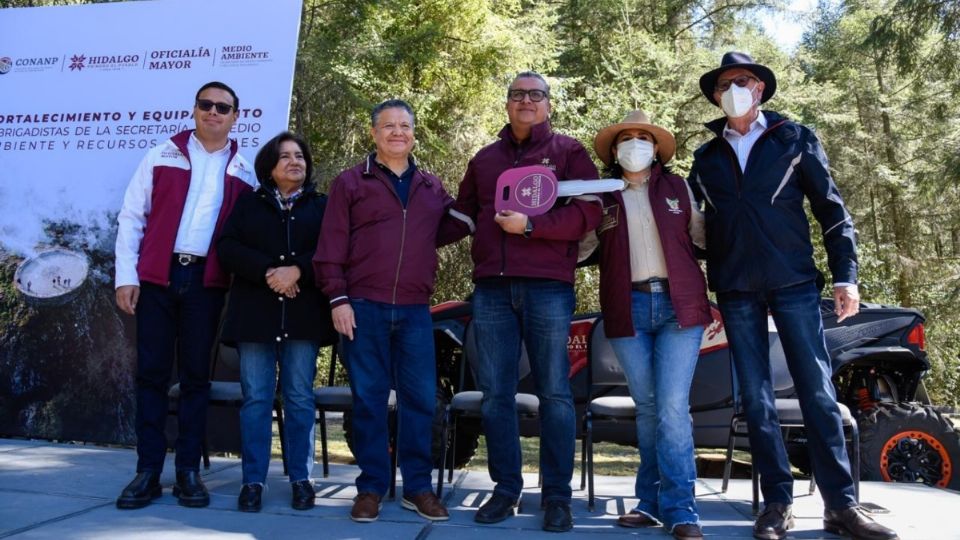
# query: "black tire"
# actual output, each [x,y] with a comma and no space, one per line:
[468,434]
[909,442]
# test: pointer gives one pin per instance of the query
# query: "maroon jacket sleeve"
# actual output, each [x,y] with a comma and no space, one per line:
[333,245]
[571,221]
[461,217]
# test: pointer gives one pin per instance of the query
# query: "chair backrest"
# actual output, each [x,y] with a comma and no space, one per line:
[603,367]
[472,356]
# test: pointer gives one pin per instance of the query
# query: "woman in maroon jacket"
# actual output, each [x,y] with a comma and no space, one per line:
[654,303]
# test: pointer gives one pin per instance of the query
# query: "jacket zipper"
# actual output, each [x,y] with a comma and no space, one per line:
[283,305]
[735,165]
[737,173]
[403,237]
[403,231]
[503,235]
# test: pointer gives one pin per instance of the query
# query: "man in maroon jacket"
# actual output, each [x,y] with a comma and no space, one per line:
[169,277]
[376,260]
[524,274]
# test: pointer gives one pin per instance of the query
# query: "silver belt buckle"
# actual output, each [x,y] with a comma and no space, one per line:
[184,259]
[656,286]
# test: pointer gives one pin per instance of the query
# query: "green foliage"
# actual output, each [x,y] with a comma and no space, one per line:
[876,79]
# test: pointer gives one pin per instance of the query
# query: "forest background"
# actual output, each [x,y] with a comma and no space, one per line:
[877,79]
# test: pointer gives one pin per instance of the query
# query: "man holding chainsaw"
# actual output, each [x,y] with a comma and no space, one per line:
[523,275]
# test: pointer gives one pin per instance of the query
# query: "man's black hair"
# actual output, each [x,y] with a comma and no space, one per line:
[219,85]
[391,104]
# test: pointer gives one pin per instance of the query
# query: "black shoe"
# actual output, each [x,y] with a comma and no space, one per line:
[250,498]
[497,509]
[855,522]
[773,522]
[140,491]
[557,517]
[304,496]
[190,490]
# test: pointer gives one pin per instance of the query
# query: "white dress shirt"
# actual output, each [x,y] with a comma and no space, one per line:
[742,144]
[204,198]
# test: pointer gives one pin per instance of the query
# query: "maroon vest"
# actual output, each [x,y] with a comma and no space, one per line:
[671,211]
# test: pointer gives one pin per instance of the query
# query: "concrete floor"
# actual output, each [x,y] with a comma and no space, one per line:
[50,491]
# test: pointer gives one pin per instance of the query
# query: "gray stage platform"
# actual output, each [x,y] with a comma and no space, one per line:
[50,491]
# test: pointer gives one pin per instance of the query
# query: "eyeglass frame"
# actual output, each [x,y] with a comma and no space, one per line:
[731,82]
[527,94]
[206,104]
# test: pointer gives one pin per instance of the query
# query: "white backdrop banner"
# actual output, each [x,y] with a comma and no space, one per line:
[85,91]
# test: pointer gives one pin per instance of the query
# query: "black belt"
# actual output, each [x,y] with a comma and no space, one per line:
[651,286]
[186,259]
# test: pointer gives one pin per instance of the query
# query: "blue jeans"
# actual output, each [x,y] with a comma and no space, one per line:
[796,312]
[258,379]
[539,312]
[176,323]
[392,347]
[658,363]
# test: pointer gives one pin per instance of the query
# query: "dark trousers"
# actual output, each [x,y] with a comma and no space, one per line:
[392,346]
[796,312]
[536,313]
[174,323]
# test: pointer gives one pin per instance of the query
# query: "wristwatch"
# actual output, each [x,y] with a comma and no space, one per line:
[528,230]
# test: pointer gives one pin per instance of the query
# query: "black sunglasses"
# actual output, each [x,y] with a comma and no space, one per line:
[205,105]
[741,81]
[535,96]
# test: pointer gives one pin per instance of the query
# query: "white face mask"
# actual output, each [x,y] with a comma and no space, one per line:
[635,155]
[736,101]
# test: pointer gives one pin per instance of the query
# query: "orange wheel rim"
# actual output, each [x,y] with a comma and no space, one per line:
[924,441]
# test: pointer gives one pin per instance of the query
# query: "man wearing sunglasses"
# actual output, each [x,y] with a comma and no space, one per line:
[524,274]
[752,179]
[168,276]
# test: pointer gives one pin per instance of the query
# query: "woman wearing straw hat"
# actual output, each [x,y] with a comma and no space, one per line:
[654,303]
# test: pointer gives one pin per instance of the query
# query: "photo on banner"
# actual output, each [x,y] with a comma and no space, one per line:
[85,92]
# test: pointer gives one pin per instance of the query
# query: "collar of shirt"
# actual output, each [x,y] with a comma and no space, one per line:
[637,185]
[742,144]
[196,145]
[759,124]
[406,176]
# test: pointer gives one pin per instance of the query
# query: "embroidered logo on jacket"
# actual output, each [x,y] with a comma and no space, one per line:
[546,163]
[673,206]
[610,218]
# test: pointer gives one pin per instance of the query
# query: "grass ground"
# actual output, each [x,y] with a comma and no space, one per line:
[609,459]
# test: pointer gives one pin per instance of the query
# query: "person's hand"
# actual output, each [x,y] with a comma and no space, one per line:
[846,301]
[343,320]
[283,280]
[511,222]
[127,296]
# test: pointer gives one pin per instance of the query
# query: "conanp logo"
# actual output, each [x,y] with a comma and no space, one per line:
[6,64]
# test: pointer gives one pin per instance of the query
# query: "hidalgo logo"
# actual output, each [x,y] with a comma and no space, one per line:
[6,64]
[77,62]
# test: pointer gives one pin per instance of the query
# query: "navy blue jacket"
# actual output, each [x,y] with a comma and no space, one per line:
[758,236]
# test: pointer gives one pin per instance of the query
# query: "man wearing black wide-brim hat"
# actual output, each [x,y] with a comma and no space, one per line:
[752,179]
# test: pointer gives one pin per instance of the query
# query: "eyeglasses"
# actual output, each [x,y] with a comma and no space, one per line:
[741,81]
[205,105]
[535,96]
